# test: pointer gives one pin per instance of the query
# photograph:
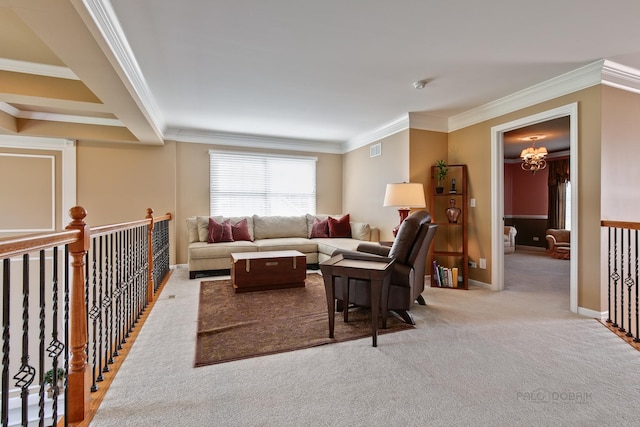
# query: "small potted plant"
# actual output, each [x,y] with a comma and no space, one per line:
[441,173]
[48,379]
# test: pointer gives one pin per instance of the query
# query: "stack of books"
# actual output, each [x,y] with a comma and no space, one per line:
[445,277]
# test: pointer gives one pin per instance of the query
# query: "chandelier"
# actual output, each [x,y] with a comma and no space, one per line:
[532,157]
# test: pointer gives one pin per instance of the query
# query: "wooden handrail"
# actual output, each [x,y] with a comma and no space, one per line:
[20,245]
[621,224]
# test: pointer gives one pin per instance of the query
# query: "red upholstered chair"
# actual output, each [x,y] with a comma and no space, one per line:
[409,249]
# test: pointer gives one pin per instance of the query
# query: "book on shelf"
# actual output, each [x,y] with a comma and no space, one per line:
[445,277]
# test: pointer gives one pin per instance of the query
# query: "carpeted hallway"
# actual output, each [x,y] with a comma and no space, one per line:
[478,357]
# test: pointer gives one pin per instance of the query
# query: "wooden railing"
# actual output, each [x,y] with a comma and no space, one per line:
[89,301]
[623,274]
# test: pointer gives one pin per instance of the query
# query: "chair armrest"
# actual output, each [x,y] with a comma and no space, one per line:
[372,248]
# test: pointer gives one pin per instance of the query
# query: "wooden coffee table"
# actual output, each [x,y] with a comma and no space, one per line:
[260,271]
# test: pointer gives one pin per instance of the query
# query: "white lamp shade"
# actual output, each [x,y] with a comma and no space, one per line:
[406,195]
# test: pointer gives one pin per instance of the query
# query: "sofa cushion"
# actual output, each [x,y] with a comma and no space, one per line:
[320,228]
[339,227]
[240,230]
[272,227]
[361,231]
[192,229]
[220,231]
[301,244]
[203,250]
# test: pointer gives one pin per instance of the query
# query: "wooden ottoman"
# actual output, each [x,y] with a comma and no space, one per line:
[259,271]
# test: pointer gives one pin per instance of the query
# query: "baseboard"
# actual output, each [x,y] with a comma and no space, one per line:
[481,284]
[587,312]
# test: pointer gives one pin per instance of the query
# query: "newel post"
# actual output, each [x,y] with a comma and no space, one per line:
[150,284]
[79,375]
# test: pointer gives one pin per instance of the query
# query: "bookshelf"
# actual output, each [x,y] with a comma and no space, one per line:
[449,256]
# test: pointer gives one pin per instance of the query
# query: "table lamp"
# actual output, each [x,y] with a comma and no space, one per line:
[404,196]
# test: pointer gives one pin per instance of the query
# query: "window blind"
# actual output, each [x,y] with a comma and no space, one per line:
[261,184]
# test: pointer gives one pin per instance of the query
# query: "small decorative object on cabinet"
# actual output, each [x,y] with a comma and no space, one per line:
[449,259]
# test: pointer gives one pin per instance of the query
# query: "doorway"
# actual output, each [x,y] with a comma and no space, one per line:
[497,191]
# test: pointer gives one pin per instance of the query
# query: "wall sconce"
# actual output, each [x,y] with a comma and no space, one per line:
[404,196]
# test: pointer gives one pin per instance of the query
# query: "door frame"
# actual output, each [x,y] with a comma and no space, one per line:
[497,193]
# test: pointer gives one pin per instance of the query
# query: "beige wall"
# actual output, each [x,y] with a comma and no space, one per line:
[620,151]
[426,148]
[366,178]
[118,182]
[472,145]
[192,184]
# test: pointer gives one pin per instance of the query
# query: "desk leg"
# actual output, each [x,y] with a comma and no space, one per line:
[384,303]
[375,308]
[345,298]
[330,287]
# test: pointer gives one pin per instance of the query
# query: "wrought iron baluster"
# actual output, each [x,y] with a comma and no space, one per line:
[41,338]
[93,315]
[615,278]
[100,307]
[26,374]
[637,337]
[55,347]
[6,294]
[108,306]
[609,275]
[629,282]
[622,281]
[67,315]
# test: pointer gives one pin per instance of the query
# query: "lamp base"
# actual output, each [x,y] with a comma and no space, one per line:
[404,213]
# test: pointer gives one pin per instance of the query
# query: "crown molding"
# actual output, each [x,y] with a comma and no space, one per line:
[581,78]
[398,125]
[53,117]
[24,67]
[620,76]
[252,141]
[107,23]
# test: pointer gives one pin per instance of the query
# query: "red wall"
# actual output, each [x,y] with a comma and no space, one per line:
[525,193]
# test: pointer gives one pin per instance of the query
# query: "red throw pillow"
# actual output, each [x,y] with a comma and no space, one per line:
[339,227]
[240,231]
[320,228]
[219,232]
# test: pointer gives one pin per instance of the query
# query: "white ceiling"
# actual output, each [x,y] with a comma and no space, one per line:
[293,74]
[332,70]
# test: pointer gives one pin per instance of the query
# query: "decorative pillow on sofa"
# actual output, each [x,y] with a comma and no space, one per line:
[240,231]
[339,227]
[220,232]
[320,228]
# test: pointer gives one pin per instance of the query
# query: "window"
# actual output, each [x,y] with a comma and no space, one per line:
[567,206]
[261,184]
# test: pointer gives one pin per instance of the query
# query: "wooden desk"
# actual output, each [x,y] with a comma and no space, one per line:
[376,272]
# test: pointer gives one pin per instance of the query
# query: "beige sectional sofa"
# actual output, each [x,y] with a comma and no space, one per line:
[268,233]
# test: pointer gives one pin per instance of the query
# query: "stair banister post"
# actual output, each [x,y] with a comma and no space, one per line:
[79,382]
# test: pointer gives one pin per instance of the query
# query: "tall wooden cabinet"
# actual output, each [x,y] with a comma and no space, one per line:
[449,259]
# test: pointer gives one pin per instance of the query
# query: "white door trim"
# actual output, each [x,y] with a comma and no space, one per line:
[497,193]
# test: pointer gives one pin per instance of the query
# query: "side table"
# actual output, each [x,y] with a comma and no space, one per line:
[377,271]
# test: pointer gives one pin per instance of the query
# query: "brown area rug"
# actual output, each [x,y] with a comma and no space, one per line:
[238,326]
